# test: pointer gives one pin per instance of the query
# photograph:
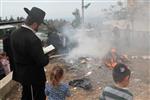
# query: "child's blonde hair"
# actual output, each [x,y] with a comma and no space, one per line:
[56,74]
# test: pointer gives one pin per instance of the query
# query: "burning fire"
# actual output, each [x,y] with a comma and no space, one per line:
[112,58]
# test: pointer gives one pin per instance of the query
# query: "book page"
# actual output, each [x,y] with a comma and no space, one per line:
[48,49]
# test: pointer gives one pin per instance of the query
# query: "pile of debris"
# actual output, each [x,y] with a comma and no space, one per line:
[84,83]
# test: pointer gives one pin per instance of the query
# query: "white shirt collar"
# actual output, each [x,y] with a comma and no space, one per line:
[26,26]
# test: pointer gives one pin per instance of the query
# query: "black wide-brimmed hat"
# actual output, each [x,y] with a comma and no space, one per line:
[36,14]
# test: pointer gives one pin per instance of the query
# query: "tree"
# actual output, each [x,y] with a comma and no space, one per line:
[117,12]
[0,19]
[6,19]
[11,19]
[18,18]
[77,21]
[87,5]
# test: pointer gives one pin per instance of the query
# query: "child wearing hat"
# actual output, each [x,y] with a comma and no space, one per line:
[119,91]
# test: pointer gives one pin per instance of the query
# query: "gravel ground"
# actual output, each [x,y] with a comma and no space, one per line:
[100,77]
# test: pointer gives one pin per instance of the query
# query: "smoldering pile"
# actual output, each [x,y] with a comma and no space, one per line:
[90,72]
[86,71]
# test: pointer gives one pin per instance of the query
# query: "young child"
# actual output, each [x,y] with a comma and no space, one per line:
[2,72]
[55,90]
[5,63]
[121,76]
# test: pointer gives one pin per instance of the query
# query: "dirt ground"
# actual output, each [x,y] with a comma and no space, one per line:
[100,76]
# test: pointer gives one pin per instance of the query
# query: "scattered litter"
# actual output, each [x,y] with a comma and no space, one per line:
[146,57]
[137,80]
[142,57]
[89,59]
[125,56]
[98,82]
[83,61]
[84,83]
[71,61]
[134,57]
[149,57]
[89,73]
[132,72]
[100,88]
[75,88]
[89,66]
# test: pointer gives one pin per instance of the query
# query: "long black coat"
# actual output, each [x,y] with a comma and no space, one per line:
[29,57]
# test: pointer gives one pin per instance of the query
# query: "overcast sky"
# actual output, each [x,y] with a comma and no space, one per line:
[53,8]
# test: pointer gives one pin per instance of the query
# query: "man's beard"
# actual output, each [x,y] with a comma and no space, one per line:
[36,29]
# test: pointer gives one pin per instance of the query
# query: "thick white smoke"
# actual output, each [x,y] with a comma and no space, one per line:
[98,40]
[88,42]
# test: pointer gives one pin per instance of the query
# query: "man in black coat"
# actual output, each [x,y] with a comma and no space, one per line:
[29,57]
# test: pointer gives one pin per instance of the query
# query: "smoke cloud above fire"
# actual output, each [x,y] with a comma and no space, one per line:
[87,42]
[97,40]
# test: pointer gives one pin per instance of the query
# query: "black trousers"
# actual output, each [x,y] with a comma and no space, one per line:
[33,92]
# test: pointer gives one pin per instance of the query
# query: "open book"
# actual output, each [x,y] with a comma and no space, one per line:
[48,49]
